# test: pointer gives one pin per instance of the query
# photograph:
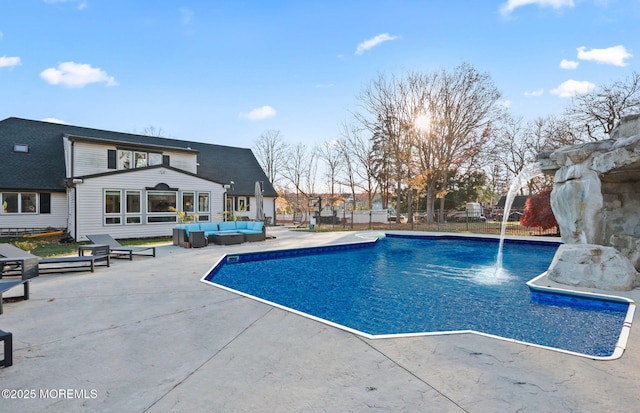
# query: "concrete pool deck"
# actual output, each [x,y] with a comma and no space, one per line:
[147,336]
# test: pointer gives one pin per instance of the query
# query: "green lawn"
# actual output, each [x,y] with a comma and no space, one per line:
[49,246]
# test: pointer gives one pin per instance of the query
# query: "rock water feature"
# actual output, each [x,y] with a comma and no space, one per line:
[596,201]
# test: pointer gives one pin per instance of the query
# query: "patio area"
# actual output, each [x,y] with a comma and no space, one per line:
[147,336]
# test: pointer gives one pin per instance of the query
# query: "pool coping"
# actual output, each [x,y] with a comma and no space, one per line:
[372,237]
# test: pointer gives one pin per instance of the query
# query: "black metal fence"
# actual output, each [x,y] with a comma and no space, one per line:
[487,227]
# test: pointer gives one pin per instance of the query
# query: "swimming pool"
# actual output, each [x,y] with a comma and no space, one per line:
[408,285]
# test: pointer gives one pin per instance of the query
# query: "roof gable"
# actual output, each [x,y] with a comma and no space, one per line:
[43,167]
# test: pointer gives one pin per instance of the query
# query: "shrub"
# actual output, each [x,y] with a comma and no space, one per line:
[538,212]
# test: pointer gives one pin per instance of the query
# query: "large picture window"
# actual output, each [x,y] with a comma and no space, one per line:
[158,203]
[19,202]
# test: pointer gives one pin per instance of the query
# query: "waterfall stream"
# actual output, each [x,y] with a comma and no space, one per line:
[527,173]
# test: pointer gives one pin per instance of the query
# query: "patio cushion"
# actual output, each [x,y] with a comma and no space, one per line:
[255,225]
[227,226]
[208,226]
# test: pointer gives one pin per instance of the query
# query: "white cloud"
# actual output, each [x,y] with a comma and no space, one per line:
[9,61]
[324,85]
[534,93]
[260,113]
[82,4]
[187,16]
[373,42]
[615,55]
[568,64]
[511,5]
[55,120]
[571,88]
[73,74]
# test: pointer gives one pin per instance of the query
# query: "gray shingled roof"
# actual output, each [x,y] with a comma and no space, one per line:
[42,168]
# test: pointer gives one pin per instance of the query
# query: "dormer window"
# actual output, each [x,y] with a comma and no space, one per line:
[130,159]
[21,147]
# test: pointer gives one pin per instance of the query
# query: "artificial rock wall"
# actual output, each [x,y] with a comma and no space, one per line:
[596,201]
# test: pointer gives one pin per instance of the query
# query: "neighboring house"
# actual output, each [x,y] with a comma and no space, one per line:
[95,181]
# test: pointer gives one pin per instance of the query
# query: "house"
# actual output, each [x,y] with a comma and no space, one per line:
[96,181]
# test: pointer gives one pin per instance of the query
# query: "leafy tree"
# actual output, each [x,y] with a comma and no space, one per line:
[538,212]
[465,188]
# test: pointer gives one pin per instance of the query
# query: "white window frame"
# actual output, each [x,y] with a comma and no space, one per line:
[112,218]
[19,196]
[132,215]
[161,217]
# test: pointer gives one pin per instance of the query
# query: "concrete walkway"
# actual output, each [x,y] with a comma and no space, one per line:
[148,336]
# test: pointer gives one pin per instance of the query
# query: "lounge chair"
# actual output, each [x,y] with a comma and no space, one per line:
[79,263]
[118,249]
[16,262]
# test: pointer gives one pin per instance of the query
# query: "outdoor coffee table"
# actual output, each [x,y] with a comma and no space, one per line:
[228,238]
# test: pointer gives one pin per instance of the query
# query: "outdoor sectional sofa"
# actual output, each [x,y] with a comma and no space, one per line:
[220,232]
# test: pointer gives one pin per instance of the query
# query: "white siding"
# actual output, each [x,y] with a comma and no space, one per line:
[71,202]
[90,198]
[56,219]
[267,207]
[90,158]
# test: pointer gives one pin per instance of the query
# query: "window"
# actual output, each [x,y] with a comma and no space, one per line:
[112,207]
[19,203]
[128,159]
[241,203]
[141,159]
[158,203]
[203,207]
[132,206]
[124,159]
[133,202]
[155,159]
[188,199]
[10,203]
[28,202]
[21,147]
[203,202]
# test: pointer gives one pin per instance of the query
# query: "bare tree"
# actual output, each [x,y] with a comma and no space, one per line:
[359,162]
[388,117]
[153,131]
[598,112]
[271,152]
[300,170]
[329,152]
[461,105]
[517,145]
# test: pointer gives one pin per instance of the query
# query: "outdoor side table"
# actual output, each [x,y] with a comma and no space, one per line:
[197,239]
[89,247]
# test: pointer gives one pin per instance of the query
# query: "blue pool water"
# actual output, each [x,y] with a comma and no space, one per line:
[414,284]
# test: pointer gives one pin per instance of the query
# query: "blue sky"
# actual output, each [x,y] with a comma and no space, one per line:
[226,71]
